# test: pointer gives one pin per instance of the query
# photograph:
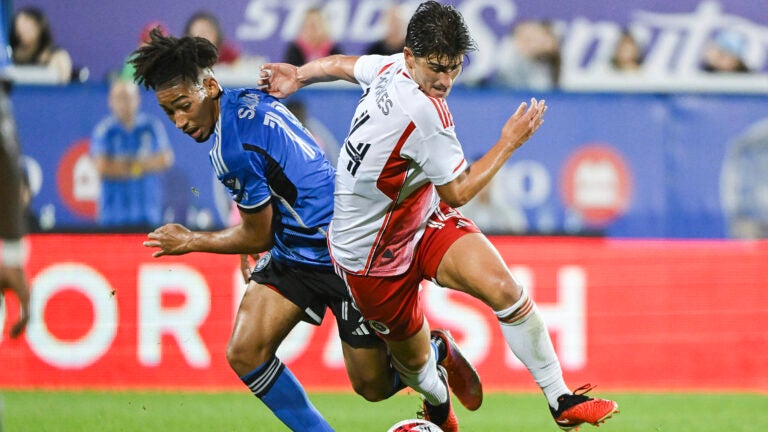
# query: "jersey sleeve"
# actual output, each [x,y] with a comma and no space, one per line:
[255,191]
[368,67]
[437,149]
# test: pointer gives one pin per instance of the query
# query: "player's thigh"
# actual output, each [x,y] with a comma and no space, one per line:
[264,319]
[473,265]
[367,366]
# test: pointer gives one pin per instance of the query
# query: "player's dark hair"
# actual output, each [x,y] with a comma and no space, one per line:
[438,30]
[166,58]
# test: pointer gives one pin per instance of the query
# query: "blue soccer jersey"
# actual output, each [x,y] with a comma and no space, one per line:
[264,156]
[136,200]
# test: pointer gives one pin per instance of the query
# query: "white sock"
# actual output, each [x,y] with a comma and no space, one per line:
[527,336]
[425,381]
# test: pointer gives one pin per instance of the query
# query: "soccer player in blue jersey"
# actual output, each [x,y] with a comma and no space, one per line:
[283,186]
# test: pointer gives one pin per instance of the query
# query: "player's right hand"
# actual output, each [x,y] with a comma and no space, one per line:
[171,239]
[279,79]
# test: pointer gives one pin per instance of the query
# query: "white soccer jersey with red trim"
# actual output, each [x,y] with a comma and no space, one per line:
[401,143]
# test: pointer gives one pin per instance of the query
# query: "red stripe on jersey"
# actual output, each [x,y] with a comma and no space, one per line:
[384,68]
[399,229]
[393,174]
[447,112]
[438,107]
[459,165]
[390,182]
[442,110]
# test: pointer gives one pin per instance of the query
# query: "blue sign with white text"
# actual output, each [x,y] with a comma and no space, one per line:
[672,166]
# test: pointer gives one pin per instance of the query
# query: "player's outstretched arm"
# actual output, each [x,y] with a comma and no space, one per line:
[516,131]
[253,235]
[282,79]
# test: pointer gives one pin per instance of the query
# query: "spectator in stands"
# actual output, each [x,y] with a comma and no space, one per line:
[130,150]
[529,57]
[724,54]
[314,40]
[205,25]
[31,41]
[393,41]
[627,55]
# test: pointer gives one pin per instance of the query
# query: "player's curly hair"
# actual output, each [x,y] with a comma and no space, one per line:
[438,30]
[166,58]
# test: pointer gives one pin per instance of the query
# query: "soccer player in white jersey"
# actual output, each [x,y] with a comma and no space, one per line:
[400,175]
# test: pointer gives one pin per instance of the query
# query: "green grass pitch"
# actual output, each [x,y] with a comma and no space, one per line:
[54,411]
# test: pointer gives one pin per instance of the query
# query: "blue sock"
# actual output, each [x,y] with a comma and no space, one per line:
[397,384]
[282,393]
[436,350]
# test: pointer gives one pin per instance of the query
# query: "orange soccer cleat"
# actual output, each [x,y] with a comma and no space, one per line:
[462,376]
[577,408]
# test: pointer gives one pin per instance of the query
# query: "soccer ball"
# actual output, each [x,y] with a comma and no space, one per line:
[415,425]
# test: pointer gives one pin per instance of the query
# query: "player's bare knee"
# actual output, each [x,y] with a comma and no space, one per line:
[244,357]
[371,389]
[500,291]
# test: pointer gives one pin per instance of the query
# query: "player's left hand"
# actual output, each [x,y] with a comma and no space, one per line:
[172,239]
[523,123]
[245,266]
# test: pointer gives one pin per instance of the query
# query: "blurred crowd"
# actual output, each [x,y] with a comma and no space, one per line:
[529,56]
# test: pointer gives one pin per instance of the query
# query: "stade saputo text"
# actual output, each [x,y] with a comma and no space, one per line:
[673,40]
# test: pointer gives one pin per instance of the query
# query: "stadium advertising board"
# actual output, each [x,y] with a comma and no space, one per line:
[672,166]
[627,314]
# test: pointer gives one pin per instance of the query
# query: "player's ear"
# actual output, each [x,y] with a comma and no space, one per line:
[212,88]
[410,59]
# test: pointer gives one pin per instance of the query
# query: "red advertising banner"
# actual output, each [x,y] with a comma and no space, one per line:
[625,314]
